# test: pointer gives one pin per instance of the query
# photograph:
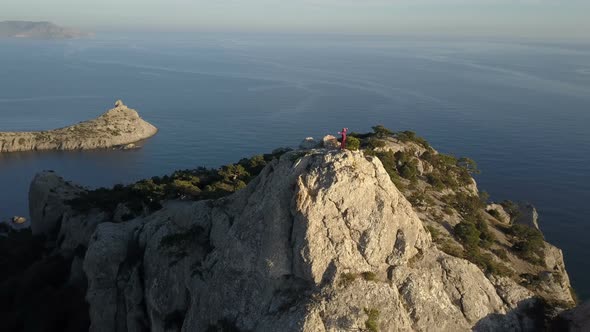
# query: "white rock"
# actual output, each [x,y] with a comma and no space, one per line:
[309,143]
[528,216]
[271,257]
[330,142]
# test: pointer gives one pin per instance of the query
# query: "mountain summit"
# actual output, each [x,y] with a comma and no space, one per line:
[314,239]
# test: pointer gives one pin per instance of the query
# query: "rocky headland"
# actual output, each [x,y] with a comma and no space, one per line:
[118,127]
[392,236]
[38,30]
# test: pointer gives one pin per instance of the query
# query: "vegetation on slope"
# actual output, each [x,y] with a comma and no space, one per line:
[191,184]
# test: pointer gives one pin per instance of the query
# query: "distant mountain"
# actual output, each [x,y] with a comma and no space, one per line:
[37,30]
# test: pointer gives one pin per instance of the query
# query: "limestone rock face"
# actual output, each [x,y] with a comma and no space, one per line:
[499,213]
[528,216]
[47,194]
[117,127]
[289,253]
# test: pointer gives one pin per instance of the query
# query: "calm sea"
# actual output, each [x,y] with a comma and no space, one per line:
[520,109]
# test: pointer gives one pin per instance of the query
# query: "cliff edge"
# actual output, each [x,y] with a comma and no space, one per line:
[117,127]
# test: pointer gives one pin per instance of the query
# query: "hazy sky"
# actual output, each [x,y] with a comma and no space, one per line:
[528,18]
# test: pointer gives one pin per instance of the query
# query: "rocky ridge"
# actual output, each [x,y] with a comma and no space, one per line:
[320,240]
[119,126]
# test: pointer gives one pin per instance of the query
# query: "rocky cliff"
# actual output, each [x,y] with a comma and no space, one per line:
[394,237]
[320,240]
[119,126]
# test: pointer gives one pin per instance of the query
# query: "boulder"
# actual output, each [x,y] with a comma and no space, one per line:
[309,143]
[330,142]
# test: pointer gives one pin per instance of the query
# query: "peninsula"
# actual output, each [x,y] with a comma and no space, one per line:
[37,30]
[117,127]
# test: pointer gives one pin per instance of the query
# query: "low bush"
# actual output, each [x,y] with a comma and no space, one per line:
[372,322]
[369,276]
[410,136]
[346,279]
[435,233]
[501,253]
[374,143]
[528,243]
[486,263]
[382,132]
[353,143]
[511,208]
[467,234]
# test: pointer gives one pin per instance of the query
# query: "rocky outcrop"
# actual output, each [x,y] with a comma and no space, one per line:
[499,213]
[309,143]
[119,126]
[319,241]
[527,215]
[330,142]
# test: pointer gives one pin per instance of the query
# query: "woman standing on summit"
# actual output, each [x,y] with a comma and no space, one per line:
[343,133]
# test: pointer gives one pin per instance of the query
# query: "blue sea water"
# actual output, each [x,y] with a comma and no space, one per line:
[520,109]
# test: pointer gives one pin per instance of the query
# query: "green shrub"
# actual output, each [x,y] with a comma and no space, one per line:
[389,164]
[511,208]
[372,322]
[353,143]
[406,165]
[467,234]
[469,165]
[382,132]
[452,249]
[433,232]
[196,184]
[183,188]
[486,237]
[374,143]
[435,180]
[369,276]
[452,172]
[529,243]
[502,253]
[410,136]
[346,279]
[448,210]
[495,214]
[469,206]
[486,262]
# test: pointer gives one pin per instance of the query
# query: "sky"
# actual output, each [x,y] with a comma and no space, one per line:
[542,19]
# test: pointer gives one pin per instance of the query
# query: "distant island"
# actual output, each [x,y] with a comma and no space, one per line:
[37,30]
[118,127]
